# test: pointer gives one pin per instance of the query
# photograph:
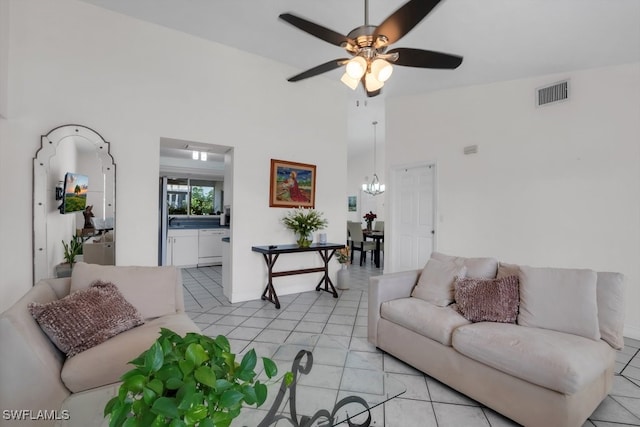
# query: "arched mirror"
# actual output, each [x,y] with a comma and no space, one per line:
[68,153]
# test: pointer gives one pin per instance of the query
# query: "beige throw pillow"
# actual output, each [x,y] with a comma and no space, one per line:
[86,318]
[560,299]
[435,284]
[477,268]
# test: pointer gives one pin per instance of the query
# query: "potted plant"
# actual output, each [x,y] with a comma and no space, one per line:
[70,251]
[343,256]
[304,222]
[188,381]
[369,217]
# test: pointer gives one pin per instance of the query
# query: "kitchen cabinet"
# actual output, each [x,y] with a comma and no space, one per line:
[210,245]
[182,248]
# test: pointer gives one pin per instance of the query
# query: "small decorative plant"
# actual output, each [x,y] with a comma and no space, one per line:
[343,255]
[188,381]
[304,222]
[71,250]
[369,217]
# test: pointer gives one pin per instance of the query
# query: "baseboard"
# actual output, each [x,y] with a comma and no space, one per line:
[632,332]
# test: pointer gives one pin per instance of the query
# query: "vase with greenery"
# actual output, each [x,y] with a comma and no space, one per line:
[71,250]
[193,380]
[304,222]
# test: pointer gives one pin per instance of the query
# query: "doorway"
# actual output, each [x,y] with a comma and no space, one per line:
[413,213]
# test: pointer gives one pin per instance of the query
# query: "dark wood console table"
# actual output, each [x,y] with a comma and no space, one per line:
[272,252]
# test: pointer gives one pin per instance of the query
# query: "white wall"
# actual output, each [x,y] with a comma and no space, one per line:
[4,55]
[551,186]
[134,83]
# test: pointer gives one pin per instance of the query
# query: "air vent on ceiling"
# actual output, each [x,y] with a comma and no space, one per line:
[555,93]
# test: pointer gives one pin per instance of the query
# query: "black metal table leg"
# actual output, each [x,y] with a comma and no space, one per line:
[269,293]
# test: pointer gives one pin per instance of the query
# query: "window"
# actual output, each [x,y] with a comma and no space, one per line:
[190,196]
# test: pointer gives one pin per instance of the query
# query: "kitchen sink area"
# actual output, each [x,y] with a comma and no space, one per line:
[195,242]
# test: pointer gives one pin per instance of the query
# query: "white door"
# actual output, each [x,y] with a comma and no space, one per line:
[413,212]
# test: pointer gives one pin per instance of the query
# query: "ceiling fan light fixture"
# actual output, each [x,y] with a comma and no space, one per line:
[372,83]
[349,81]
[356,67]
[381,69]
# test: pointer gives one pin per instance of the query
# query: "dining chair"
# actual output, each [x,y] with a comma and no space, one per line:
[378,226]
[357,241]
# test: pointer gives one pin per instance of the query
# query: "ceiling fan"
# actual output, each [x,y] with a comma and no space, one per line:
[370,62]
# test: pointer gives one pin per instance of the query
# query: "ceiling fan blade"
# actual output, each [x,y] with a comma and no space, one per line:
[319,31]
[425,58]
[400,22]
[323,68]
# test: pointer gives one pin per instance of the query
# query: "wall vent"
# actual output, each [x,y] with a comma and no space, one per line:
[471,149]
[556,92]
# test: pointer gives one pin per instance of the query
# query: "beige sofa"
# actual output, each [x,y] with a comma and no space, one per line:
[551,368]
[35,376]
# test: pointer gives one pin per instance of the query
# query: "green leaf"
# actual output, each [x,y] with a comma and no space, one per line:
[148,395]
[249,394]
[131,422]
[230,398]
[208,422]
[165,406]
[195,414]
[270,367]
[110,405]
[223,343]
[246,375]
[196,354]
[186,366]
[173,383]
[156,385]
[206,376]
[249,361]
[154,358]
[135,383]
[177,423]
[288,378]
[221,419]
[169,371]
[261,393]
[222,385]
[131,373]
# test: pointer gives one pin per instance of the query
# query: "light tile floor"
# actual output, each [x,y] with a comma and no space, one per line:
[427,402]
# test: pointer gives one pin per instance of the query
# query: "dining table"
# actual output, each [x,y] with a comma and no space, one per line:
[378,237]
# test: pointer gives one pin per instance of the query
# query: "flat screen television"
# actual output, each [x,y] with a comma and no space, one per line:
[74,196]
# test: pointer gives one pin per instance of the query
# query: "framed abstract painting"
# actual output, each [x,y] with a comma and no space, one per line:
[292,185]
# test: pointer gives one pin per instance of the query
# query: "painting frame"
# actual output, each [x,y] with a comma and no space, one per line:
[352,203]
[292,184]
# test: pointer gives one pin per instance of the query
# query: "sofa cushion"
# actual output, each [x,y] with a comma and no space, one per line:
[477,268]
[423,318]
[106,362]
[152,290]
[560,299]
[505,270]
[610,296]
[85,318]
[436,282]
[555,360]
[488,300]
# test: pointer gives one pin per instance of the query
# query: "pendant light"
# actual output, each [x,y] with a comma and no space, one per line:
[374,187]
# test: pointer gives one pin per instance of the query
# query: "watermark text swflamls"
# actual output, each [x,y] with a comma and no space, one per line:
[31,415]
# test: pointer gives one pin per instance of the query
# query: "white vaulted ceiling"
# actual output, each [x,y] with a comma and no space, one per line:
[499,39]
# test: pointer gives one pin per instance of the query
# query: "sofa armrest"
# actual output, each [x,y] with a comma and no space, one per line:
[387,287]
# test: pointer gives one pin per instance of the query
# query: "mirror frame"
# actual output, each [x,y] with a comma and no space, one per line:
[48,147]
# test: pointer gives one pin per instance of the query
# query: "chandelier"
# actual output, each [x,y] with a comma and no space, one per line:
[374,187]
